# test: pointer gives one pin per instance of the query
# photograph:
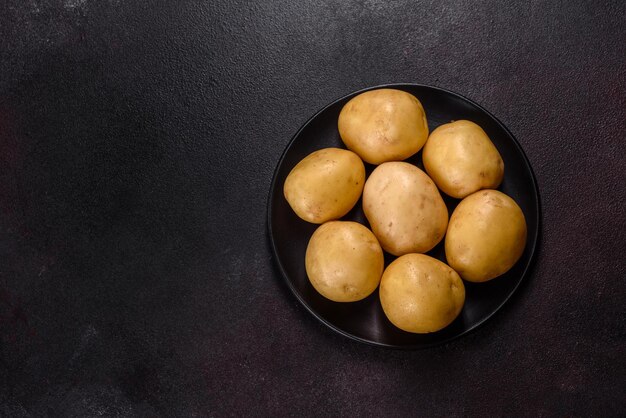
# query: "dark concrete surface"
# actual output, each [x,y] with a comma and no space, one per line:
[137,145]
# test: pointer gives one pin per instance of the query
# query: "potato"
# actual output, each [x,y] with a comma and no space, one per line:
[383,125]
[486,236]
[421,294]
[461,159]
[344,261]
[325,185]
[404,208]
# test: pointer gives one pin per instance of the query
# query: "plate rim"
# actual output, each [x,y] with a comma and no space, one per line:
[527,268]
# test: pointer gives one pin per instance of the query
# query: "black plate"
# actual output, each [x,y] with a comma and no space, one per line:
[364,320]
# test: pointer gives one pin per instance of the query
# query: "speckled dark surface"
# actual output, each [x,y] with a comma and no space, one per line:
[137,145]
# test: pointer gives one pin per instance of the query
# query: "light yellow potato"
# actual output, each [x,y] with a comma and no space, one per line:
[383,125]
[325,185]
[421,294]
[486,236]
[461,159]
[404,208]
[344,261]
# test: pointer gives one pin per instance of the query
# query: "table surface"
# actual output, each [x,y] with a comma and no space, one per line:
[137,146]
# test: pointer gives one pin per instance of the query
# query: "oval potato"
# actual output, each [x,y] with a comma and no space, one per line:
[404,208]
[325,185]
[344,261]
[421,294]
[486,236]
[383,125]
[461,159]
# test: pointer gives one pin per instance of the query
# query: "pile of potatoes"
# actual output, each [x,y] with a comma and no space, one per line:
[484,237]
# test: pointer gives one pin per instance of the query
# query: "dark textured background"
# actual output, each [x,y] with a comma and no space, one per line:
[137,145]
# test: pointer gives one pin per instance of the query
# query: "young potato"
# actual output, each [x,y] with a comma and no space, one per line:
[383,125]
[344,261]
[486,236]
[325,185]
[461,159]
[421,294]
[404,208]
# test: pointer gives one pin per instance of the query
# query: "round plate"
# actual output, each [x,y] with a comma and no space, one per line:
[364,320]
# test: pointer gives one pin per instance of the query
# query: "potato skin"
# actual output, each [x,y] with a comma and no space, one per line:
[486,236]
[325,185]
[383,125]
[461,159]
[344,261]
[404,208]
[420,294]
